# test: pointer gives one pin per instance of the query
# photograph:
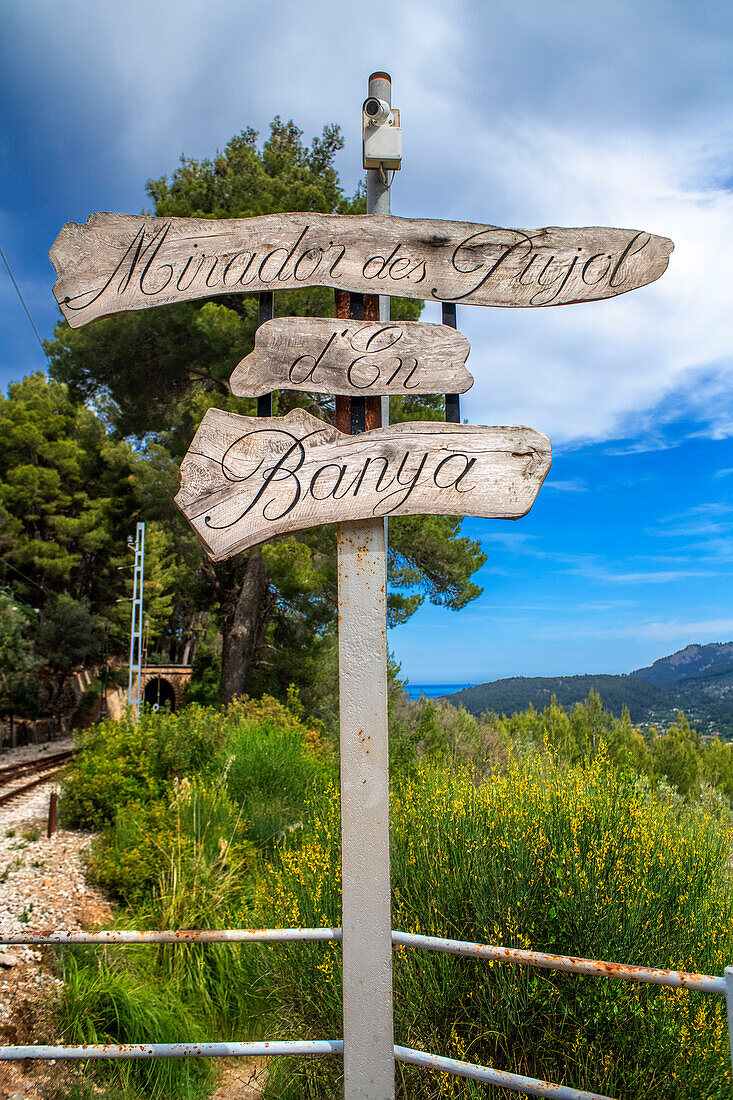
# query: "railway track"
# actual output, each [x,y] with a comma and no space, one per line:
[41,768]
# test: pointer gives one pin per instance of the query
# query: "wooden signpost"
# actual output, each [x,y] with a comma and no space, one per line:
[119,262]
[247,479]
[373,357]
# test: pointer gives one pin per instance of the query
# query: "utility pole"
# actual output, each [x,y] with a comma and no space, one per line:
[136,626]
[103,705]
[365,868]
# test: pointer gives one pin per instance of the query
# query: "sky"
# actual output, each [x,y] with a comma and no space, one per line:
[523,114]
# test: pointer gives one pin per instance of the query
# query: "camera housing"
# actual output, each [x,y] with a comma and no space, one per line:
[381,134]
[376,110]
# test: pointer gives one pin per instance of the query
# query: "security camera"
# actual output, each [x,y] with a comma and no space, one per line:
[381,135]
[376,110]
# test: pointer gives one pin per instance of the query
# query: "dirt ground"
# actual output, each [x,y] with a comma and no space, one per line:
[43,886]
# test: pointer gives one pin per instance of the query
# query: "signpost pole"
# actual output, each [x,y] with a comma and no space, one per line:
[378,197]
[365,872]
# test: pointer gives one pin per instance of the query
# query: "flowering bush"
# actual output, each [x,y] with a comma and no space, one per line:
[575,861]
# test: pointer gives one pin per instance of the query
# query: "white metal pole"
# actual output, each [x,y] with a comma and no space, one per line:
[365,871]
[136,640]
[729,1005]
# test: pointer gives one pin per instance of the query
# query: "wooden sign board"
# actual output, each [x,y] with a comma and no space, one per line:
[119,262]
[353,357]
[247,479]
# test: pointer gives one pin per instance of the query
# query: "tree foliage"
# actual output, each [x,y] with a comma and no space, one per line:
[17,655]
[65,491]
[69,495]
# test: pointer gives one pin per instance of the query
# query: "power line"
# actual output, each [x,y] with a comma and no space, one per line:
[25,307]
[25,578]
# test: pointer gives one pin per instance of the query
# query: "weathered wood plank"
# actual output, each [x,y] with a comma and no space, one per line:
[324,355]
[246,479]
[119,262]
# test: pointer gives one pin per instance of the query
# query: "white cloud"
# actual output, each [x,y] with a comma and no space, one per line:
[659,576]
[671,631]
[570,485]
[601,370]
[521,113]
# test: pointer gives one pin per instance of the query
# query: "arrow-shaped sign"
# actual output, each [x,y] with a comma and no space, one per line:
[119,262]
[246,479]
[358,357]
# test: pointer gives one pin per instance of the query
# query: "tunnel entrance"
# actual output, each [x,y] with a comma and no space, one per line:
[159,693]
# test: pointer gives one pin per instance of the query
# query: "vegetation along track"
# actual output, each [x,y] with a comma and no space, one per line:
[46,765]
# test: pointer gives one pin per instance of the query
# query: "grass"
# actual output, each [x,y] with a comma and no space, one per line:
[108,1001]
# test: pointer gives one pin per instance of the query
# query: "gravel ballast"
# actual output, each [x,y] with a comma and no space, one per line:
[42,886]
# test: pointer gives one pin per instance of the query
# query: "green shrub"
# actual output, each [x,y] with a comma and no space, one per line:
[123,761]
[271,774]
[199,828]
[429,728]
[186,743]
[126,860]
[112,769]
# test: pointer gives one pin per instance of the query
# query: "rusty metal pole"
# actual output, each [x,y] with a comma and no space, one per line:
[52,807]
[365,871]
[452,400]
[266,313]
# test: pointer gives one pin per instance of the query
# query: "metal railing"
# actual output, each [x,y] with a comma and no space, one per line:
[528,1086]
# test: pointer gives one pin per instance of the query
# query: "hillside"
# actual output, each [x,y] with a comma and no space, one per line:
[517,692]
[697,679]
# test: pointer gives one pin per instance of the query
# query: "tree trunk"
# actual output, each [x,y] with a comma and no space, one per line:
[244,616]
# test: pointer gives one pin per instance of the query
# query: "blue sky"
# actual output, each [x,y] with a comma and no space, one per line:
[523,113]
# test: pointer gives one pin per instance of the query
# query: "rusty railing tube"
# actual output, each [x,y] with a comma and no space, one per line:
[213,935]
[172,1050]
[677,979]
[529,1086]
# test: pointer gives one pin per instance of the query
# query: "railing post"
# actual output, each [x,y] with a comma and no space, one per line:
[729,1002]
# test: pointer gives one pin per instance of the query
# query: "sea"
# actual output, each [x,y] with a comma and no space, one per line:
[414,691]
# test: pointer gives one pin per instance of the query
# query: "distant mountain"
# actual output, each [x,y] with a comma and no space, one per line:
[697,680]
[690,661]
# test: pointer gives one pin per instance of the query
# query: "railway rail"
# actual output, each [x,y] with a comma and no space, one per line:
[42,768]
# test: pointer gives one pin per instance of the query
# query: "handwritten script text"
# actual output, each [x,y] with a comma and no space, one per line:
[119,262]
[245,480]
